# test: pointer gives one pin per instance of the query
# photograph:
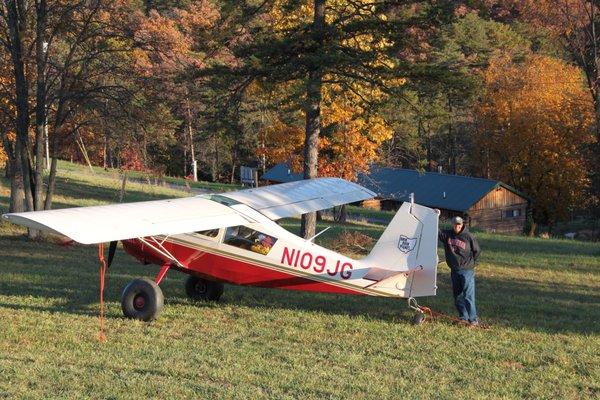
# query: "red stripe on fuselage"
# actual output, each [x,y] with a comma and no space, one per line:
[229,269]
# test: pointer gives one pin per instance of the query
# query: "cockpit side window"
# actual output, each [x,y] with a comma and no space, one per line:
[249,239]
[211,233]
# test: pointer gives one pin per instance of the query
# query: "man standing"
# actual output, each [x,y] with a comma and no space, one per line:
[461,251]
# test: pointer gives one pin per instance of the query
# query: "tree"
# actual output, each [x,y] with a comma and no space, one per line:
[64,55]
[575,24]
[531,126]
[360,47]
[347,147]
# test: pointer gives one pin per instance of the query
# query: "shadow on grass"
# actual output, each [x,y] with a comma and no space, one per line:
[68,279]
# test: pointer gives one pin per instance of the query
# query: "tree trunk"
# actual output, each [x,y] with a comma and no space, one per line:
[40,107]
[16,26]
[343,213]
[191,137]
[532,229]
[40,111]
[52,174]
[313,117]
[105,152]
[452,137]
[54,164]
[597,110]
[17,196]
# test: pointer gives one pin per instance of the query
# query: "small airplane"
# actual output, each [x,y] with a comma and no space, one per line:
[233,237]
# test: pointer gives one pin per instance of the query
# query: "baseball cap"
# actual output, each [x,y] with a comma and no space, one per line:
[457,221]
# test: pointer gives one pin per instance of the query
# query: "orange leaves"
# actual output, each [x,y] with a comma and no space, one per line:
[198,16]
[348,144]
[543,92]
[532,122]
[168,43]
[163,44]
[283,143]
[3,157]
[565,17]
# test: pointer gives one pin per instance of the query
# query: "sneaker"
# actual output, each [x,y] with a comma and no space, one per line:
[474,323]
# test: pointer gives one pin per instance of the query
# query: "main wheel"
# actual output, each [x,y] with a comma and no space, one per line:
[142,299]
[203,289]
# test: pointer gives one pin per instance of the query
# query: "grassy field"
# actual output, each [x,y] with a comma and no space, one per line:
[542,298]
[142,176]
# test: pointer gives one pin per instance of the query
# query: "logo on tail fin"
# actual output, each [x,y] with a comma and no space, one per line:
[406,244]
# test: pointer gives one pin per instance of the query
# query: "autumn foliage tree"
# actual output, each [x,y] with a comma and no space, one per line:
[361,51]
[531,125]
[348,144]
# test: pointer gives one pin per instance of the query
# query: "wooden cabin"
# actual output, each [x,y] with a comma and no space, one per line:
[486,204]
[500,210]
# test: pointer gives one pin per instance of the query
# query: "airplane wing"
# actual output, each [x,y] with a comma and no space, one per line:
[301,197]
[100,224]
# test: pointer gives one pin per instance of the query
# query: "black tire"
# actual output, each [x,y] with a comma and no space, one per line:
[418,318]
[203,289]
[142,299]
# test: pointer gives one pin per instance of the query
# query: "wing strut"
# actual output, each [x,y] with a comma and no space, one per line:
[157,246]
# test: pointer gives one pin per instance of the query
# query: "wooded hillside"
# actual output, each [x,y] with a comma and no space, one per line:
[499,89]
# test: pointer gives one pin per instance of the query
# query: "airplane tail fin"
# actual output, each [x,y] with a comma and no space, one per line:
[405,256]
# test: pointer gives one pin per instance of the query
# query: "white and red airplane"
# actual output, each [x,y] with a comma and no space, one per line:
[232,237]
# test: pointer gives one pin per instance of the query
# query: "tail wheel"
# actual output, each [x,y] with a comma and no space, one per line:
[203,289]
[142,299]
[418,318]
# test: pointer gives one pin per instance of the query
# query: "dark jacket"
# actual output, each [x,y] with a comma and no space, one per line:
[461,249]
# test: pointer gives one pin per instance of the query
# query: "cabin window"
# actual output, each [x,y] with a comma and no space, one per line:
[249,239]
[512,213]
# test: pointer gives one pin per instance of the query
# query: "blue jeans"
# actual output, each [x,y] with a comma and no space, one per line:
[463,288]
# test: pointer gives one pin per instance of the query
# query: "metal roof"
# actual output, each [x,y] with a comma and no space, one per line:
[281,173]
[431,189]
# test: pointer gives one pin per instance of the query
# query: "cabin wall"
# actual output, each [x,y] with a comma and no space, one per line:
[499,211]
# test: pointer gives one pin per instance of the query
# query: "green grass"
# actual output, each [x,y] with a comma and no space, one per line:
[369,214]
[542,298]
[142,176]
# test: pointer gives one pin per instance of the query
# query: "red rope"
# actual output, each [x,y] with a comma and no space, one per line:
[433,314]
[102,336]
